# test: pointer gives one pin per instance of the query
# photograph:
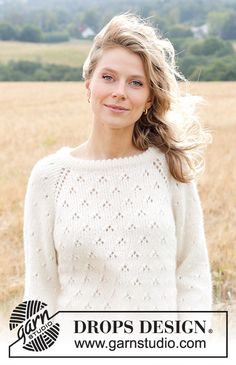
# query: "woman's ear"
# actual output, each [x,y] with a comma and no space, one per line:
[149,103]
[87,85]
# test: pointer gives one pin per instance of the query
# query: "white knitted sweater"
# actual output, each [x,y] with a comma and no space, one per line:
[115,234]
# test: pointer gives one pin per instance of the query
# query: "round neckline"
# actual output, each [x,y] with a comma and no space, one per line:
[104,159]
[65,153]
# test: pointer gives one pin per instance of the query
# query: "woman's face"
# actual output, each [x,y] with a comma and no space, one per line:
[118,80]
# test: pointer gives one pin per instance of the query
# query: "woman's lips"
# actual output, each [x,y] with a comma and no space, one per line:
[116,109]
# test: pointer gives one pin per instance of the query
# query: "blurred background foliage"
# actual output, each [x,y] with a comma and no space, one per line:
[203,33]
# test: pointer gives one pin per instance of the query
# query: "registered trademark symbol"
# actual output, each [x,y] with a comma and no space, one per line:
[210,330]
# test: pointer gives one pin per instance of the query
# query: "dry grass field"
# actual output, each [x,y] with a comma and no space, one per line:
[69,53]
[38,118]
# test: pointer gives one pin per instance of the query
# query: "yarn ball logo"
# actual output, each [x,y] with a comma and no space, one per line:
[35,327]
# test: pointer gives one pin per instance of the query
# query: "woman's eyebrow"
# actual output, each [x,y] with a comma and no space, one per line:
[112,70]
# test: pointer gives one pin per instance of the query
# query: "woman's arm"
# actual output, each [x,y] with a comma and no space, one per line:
[41,275]
[193,278]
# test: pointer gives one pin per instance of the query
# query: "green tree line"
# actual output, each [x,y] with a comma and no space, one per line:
[36,71]
[201,54]
[31,33]
[202,60]
[35,20]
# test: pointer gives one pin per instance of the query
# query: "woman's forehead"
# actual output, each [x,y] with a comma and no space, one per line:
[119,60]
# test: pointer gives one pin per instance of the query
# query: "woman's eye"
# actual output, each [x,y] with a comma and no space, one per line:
[137,83]
[107,77]
[134,82]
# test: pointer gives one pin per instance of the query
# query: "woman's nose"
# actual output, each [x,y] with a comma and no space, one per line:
[119,91]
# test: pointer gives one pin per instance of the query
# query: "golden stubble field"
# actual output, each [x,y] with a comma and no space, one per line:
[38,118]
[69,53]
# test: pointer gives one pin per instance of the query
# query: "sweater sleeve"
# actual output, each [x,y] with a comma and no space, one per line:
[193,278]
[41,275]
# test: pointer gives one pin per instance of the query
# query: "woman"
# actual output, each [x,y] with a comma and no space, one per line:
[116,223]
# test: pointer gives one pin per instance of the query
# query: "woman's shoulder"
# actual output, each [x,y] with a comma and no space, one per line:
[184,194]
[47,167]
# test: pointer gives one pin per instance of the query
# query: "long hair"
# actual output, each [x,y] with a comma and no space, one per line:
[171,123]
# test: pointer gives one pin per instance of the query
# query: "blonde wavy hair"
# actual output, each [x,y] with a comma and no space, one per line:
[171,123]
